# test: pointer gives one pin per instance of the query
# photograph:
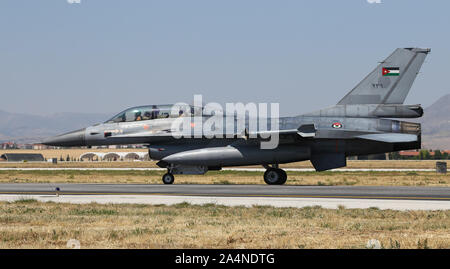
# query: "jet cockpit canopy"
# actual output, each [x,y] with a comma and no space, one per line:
[152,112]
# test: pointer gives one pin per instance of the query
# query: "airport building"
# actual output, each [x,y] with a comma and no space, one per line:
[22,157]
[114,156]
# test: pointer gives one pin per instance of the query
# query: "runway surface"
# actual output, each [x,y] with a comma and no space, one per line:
[359,192]
[398,198]
[223,169]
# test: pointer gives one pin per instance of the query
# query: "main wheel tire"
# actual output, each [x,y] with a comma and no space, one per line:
[275,176]
[168,178]
[272,176]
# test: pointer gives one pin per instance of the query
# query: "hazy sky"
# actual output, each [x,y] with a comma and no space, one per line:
[106,55]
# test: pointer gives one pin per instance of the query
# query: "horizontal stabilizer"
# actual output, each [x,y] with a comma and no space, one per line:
[370,111]
[390,137]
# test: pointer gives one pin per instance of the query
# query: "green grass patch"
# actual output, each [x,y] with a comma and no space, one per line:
[93,211]
[25,201]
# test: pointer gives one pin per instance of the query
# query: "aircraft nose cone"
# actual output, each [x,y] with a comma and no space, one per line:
[72,139]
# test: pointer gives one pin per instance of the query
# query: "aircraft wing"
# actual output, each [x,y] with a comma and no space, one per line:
[306,130]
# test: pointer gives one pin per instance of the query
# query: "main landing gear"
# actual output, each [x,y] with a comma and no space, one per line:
[275,175]
[168,178]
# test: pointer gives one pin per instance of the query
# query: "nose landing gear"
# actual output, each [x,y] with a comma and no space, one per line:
[168,178]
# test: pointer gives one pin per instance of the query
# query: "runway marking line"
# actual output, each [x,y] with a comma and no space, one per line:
[234,195]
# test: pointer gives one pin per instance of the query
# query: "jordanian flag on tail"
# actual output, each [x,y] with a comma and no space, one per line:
[390,71]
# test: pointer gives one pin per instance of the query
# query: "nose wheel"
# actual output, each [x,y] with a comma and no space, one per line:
[168,178]
[275,176]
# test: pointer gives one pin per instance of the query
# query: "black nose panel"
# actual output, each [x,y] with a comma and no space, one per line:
[72,139]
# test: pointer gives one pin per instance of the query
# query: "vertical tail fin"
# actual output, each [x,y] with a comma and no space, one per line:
[390,81]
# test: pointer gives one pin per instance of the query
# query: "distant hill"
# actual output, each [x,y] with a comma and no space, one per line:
[436,124]
[24,128]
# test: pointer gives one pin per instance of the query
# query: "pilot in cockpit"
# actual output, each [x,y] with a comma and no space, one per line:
[137,116]
[147,115]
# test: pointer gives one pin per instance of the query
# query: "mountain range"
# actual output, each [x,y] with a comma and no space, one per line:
[436,124]
[25,128]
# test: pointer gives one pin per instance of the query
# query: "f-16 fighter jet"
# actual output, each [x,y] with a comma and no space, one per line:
[365,121]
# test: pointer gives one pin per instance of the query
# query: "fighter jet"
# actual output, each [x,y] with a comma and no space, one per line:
[365,121]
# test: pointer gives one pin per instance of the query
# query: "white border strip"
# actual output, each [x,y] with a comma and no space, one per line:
[332,203]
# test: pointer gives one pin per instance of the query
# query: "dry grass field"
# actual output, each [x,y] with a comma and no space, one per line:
[31,224]
[76,153]
[229,177]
